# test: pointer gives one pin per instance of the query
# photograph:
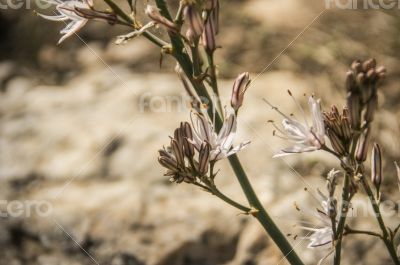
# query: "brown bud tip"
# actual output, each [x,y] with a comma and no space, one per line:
[369,64]
[356,66]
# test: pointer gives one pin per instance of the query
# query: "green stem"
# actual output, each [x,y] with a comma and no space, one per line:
[214,82]
[342,219]
[378,216]
[349,231]
[226,199]
[119,12]
[261,215]
[251,196]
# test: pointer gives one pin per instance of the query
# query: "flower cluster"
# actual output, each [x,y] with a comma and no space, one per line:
[338,129]
[195,148]
[361,84]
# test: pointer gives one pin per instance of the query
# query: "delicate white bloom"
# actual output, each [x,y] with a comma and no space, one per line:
[306,138]
[221,144]
[66,11]
[320,235]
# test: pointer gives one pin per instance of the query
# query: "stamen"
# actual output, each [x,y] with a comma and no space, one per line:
[300,107]
[276,109]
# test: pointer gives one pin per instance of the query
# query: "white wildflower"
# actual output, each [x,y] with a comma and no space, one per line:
[66,12]
[306,138]
[221,144]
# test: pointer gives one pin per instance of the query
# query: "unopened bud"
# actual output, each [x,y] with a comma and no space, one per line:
[187,137]
[356,66]
[351,82]
[398,174]
[178,152]
[371,109]
[194,20]
[153,13]
[362,146]
[354,106]
[239,88]
[360,79]
[369,64]
[204,158]
[336,143]
[208,37]
[381,72]
[376,166]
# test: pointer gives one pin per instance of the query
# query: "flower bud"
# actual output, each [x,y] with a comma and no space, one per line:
[371,108]
[376,166]
[194,20]
[204,159]
[239,88]
[369,64]
[356,66]
[398,174]
[362,146]
[336,143]
[208,37]
[178,152]
[153,13]
[350,82]
[354,106]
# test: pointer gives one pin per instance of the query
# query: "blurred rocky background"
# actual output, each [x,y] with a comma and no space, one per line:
[74,133]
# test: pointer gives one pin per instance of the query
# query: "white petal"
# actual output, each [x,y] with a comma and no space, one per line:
[227,133]
[299,148]
[54,18]
[71,29]
[318,120]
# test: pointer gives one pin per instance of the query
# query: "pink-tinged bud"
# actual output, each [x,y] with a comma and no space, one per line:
[369,64]
[362,146]
[153,13]
[356,66]
[194,20]
[398,174]
[239,88]
[204,159]
[376,166]
[350,82]
[208,37]
[336,143]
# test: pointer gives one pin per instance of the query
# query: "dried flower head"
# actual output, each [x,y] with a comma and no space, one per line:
[338,129]
[179,157]
[67,10]
[307,138]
